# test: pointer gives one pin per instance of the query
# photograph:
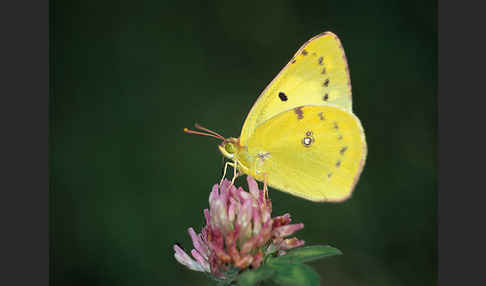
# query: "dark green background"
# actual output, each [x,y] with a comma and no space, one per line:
[126,182]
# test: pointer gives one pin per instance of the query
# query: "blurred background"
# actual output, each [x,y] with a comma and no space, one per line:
[126,182]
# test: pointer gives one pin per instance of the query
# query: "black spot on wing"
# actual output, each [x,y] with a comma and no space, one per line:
[326,83]
[343,150]
[282,96]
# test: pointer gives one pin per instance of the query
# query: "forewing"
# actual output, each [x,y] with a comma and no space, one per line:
[316,75]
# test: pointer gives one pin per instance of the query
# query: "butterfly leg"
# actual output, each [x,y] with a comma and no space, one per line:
[224,172]
[235,171]
[232,164]
[265,186]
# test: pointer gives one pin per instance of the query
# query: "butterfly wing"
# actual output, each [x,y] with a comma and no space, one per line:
[316,75]
[313,152]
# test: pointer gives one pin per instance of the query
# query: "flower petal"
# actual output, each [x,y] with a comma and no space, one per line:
[244,262]
[290,243]
[184,259]
[257,221]
[201,260]
[216,238]
[233,208]
[219,214]
[199,245]
[287,230]
[281,220]
[220,253]
[244,221]
[230,241]
[253,186]
[244,196]
[257,259]
[213,196]
[226,186]
[207,216]
[258,239]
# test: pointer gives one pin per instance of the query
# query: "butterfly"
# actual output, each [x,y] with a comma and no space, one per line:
[301,135]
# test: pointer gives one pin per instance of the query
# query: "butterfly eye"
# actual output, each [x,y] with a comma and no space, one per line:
[230,148]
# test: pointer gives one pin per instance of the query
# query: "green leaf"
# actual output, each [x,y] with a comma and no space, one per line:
[307,253]
[295,275]
[252,277]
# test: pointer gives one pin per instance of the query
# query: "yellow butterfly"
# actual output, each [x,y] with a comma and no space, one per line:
[301,136]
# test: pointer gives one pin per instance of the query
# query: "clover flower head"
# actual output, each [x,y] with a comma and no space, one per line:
[239,232]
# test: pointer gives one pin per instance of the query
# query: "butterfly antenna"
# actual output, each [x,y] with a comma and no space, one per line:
[200,127]
[202,133]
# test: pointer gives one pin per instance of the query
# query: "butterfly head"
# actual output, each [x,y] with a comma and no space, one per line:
[229,147]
